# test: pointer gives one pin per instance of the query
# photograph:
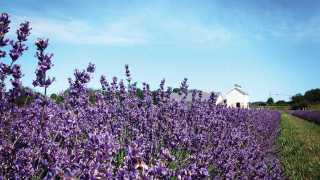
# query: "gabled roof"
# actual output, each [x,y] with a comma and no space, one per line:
[178,97]
[239,90]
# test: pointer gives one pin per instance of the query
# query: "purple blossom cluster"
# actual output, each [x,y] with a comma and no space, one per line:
[11,70]
[44,64]
[123,136]
[313,116]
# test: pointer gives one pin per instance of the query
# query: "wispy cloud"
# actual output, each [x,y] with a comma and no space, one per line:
[196,33]
[285,25]
[127,31]
[80,32]
[299,32]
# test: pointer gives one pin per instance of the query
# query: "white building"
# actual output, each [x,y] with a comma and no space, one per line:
[236,97]
[178,97]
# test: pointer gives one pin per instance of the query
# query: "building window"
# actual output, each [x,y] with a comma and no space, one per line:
[238,105]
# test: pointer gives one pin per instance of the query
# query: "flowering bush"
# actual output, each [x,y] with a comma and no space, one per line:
[313,116]
[123,136]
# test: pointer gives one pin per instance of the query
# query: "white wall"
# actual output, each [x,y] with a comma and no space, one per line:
[234,97]
[220,99]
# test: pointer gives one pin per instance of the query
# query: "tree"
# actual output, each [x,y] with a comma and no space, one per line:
[281,103]
[26,96]
[57,98]
[312,96]
[257,104]
[176,90]
[270,100]
[140,93]
[298,101]
[298,98]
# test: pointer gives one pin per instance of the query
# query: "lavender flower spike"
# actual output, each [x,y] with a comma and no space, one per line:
[91,68]
[44,64]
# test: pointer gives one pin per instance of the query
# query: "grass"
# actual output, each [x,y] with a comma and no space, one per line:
[315,107]
[278,107]
[300,148]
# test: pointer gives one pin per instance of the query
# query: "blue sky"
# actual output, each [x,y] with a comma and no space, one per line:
[265,46]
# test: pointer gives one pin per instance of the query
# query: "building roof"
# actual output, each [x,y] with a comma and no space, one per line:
[239,90]
[176,96]
[218,94]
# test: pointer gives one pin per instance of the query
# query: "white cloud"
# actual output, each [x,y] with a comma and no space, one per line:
[127,31]
[288,27]
[80,32]
[195,33]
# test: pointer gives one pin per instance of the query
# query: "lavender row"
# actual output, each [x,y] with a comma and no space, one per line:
[121,135]
[313,116]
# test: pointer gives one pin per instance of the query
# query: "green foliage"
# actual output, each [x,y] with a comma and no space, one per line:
[278,107]
[213,171]
[315,107]
[270,100]
[257,104]
[312,96]
[154,97]
[120,158]
[180,157]
[298,102]
[281,103]
[53,96]
[26,96]
[92,98]
[140,93]
[57,98]
[92,95]
[299,143]
[176,90]
[309,98]
[298,98]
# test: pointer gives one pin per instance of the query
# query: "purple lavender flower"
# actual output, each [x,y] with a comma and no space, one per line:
[113,134]
[313,116]
[91,67]
[17,50]
[42,44]
[184,88]
[128,72]
[16,71]
[4,70]
[4,28]
[104,83]
[17,75]
[19,47]
[78,92]
[2,54]
[4,25]
[44,64]
[24,31]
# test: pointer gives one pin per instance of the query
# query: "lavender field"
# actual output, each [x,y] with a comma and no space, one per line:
[313,116]
[121,135]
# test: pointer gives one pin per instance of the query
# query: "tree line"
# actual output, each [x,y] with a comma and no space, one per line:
[298,101]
